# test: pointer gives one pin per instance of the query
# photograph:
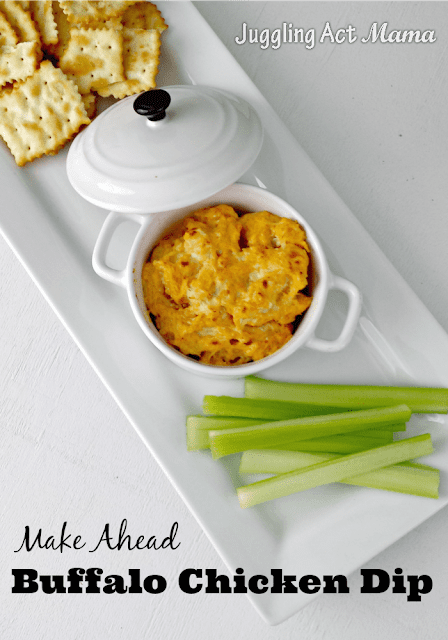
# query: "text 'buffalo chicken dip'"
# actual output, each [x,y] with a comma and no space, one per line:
[226,289]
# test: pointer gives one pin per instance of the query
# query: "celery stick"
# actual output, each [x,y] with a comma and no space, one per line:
[278,461]
[418,480]
[263,409]
[210,423]
[274,434]
[198,426]
[343,444]
[198,437]
[418,399]
[403,477]
[334,470]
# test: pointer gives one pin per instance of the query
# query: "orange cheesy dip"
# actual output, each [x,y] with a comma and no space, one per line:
[226,289]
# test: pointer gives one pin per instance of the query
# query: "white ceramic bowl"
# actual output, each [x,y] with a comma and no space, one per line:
[246,198]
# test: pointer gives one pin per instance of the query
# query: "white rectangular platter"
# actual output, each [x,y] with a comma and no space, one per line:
[330,530]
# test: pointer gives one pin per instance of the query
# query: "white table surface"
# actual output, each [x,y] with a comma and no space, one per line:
[373,117]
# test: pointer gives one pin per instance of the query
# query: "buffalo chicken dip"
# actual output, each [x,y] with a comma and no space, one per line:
[227,289]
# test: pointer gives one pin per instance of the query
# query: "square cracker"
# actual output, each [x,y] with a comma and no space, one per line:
[141,50]
[19,62]
[63,27]
[90,11]
[93,58]
[20,20]
[8,37]
[143,15]
[42,13]
[39,115]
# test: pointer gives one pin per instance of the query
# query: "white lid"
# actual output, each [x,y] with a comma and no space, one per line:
[125,162]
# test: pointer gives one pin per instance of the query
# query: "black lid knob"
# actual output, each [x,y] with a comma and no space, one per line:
[152,104]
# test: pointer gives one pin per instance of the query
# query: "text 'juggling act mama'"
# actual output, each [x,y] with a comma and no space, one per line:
[289,34]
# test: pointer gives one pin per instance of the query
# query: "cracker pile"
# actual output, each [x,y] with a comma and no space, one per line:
[56,58]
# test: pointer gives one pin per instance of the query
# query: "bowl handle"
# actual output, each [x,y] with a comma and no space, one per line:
[354,309]
[110,225]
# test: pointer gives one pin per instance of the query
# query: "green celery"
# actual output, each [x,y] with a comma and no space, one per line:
[262,409]
[198,438]
[403,477]
[276,461]
[340,443]
[412,478]
[225,442]
[198,426]
[334,470]
[418,399]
